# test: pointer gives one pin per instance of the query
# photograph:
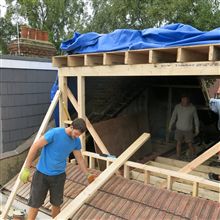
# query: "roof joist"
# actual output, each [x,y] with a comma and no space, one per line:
[202,60]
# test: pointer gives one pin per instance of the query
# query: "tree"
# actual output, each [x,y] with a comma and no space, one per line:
[7,33]
[139,14]
[58,17]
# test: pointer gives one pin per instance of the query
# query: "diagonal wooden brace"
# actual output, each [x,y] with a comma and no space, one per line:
[40,132]
[90,128]
[198,161]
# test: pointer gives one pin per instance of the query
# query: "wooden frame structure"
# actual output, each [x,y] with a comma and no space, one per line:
[148,170]
[89,191]
[203,60]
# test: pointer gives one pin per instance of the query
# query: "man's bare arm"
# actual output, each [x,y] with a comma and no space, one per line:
[80,160]
[41,142]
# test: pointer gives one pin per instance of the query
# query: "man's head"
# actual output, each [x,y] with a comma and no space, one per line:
[217,95]
[77,127]
[185,100]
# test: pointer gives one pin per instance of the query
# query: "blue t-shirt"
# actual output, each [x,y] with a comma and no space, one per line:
[53,155]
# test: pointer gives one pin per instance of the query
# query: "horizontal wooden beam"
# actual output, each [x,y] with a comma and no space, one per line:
[173,173]
[198,53]
[167,69]
[90,190]
[201,159]
[179,186]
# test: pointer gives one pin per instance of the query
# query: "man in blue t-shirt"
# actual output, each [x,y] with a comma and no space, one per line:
[56,145]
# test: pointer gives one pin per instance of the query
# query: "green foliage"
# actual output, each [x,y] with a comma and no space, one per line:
[63,17]
[140,14]
[7,33]
[58,17]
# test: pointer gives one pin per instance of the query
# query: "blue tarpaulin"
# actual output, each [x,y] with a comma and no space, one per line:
[128,39]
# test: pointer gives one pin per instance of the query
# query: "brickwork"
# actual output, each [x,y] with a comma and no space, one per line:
[33,42]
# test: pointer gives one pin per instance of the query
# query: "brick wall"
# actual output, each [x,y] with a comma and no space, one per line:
[25,97]
[32,42]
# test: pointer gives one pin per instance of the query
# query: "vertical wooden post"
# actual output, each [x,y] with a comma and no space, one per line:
[91,162]
[126,171]
[195,190]
[169,109]
[81,103]
[62,100]
[169,182]
[146,177]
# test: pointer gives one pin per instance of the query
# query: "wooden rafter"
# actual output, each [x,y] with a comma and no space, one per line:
[90,190]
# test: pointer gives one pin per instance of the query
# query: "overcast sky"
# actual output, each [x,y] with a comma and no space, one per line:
[2,8]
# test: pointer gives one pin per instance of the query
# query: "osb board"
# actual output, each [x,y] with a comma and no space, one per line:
[118,133]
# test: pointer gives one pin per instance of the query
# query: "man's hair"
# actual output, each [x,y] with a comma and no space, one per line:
[185,95]
[79,124]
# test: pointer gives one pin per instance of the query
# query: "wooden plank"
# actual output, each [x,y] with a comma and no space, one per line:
[146,177]
[171,167]
[137,57]
[114,58]
[39,133]
[167,69]
[179,164]
[90,128]
[62,100]
[75,60]
[163,55]
[201,159]
[169,182]
[200,53]
[176,174]
[59,61]
[90,190]
[195,190]
[177,186]
[97,156]
[198,161]
[81,106]
[214,52]
[91,162]
[126,172]
[93,59]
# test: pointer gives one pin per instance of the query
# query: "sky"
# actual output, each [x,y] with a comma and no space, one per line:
[2,8]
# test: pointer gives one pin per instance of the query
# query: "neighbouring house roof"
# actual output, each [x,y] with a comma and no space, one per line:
[121,198]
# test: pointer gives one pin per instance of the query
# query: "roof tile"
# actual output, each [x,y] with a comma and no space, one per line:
[120,198]
[216,212]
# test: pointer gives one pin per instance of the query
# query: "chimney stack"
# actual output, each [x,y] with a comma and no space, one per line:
[32,42]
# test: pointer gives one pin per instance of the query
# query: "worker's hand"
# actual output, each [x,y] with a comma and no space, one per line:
[25,174]
[90,177]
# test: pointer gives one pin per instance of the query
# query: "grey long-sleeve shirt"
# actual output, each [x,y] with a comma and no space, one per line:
[184,116]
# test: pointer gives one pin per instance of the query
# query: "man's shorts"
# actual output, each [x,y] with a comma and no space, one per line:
[184,136]
[40,186]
